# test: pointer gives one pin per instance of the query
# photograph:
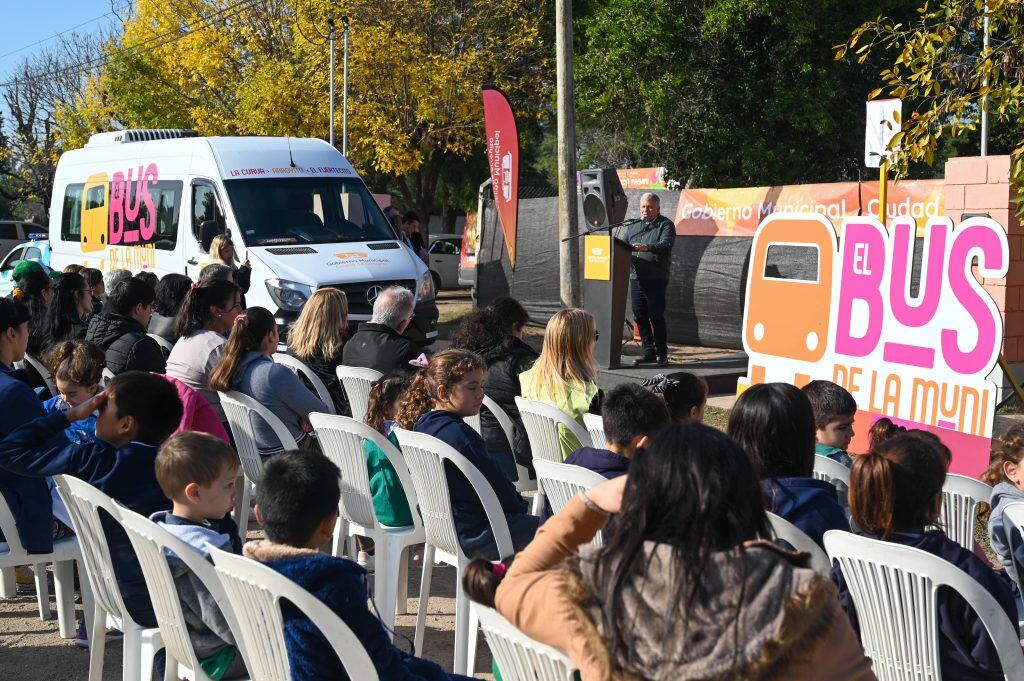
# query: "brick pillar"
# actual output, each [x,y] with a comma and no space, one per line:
[976,184]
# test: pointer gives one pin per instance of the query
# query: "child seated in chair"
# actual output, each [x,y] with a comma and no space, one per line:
[298,507]
[197,472]
[137,412]
[77,368]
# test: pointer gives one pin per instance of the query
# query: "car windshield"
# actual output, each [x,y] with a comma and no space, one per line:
[313,210]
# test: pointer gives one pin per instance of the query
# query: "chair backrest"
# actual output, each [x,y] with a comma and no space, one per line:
[9,530]
[960,498]
[894,591]
[799,540]
[151,543]
[562,481]
[161,341]
[341,439]
[239,410]
[84,502]
[107,375]
[830,471]
[255,592]
[518,656]
[44,373]
[425,456]
[507,428]
[302,370]
[1014,515]
[357,382]
[541,422]
[595,426]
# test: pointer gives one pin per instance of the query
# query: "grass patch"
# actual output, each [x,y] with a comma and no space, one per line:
[716,417]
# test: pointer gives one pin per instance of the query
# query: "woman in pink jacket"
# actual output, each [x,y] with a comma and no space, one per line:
[197,414]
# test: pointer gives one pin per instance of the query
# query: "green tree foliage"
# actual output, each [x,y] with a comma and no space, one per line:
[724,92]
[937,64]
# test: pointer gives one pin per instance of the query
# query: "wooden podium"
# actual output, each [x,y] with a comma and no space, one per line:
[605,289]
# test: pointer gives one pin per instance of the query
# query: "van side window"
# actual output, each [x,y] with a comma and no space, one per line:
[205,207]
[71,215]
[167,201]
[8,230]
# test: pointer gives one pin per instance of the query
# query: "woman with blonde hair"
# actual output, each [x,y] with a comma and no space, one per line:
[564,375]
[318,336]
[222,251]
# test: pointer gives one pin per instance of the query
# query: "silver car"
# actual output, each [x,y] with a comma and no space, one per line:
[443,258]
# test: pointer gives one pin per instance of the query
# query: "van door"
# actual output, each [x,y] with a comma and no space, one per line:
[205,206]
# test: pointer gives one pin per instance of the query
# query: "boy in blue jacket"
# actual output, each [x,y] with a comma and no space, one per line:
[298,508]
[137,412]
[834,411]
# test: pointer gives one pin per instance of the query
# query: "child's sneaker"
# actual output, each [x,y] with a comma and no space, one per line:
[82,636]
[24,579]
[365,561]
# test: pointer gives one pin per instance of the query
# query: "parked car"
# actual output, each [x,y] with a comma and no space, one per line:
[16,232]
[38,250]
[443,256]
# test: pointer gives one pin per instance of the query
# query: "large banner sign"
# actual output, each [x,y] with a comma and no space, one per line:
[738,212]
[921,360]
[503,157]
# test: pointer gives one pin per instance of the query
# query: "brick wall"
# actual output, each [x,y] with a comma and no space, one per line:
[977,184]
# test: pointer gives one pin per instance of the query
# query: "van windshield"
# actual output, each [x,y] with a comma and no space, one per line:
[306,210]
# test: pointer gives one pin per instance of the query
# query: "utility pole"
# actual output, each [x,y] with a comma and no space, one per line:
[330,39]
[984,83]
[344,93]
[568,253]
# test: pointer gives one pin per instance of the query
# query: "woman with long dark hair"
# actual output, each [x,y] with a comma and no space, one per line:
[484,333]
[35,290]
[170,293]
[202,325]
[686,585]
[247,365]
[67,317]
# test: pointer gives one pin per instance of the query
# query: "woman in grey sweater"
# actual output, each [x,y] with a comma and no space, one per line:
[246,365]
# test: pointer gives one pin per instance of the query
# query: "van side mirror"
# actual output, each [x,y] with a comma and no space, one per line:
[207,230]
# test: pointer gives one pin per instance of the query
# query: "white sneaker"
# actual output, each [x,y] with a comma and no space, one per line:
[365,561]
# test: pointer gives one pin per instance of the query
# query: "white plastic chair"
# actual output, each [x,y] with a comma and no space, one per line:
[65,552]
[162,342]
[563,481]
[831,471]
[426,456]
[301,369]
[255,592]
[44,373]
[107,375]
[357,382]
[518,656]
[240,411]
[595,426]
[105,604]
[960,498]
[524,483]
[799,540]
[894,590]
[1014,514]
[150,542]
[341,439]
[541,422]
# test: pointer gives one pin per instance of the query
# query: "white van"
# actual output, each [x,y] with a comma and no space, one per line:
[152,199]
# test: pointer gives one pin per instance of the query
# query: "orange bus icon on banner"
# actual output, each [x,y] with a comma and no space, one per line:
[789,316]
[95,213]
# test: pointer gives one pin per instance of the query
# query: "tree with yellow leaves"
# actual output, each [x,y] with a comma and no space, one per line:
[260,67]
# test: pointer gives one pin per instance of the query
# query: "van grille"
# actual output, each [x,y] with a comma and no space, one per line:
[292,250]
[356,293]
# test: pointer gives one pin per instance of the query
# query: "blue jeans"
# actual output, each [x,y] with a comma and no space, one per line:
[648,298]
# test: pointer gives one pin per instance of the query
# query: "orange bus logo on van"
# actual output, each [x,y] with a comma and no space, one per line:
[790,317]
[346,256]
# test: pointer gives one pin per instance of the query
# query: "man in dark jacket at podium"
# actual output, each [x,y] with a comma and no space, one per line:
[652,240]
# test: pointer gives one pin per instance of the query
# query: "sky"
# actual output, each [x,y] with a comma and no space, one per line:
[26,22]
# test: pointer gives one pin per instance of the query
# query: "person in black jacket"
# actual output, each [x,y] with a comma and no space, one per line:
[484,333]
[651,238]
[380,344]
[120,330]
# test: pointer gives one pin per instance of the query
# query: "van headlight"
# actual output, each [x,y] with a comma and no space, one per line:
[289,295]
[425,288]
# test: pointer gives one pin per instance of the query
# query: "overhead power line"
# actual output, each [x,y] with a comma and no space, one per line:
[112,12]
[155,42]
